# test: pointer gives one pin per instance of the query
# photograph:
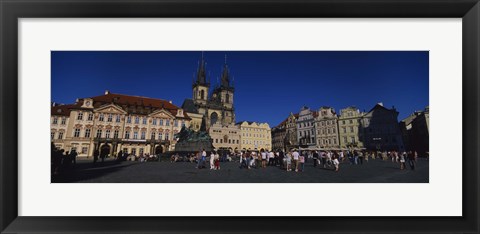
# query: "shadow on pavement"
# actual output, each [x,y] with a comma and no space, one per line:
[88,170]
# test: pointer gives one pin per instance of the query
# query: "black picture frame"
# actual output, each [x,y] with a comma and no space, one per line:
[11,11]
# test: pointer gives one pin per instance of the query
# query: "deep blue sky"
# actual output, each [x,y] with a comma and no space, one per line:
[269,85]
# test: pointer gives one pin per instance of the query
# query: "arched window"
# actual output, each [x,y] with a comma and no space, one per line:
[202,94]
[213,118]
[227,98]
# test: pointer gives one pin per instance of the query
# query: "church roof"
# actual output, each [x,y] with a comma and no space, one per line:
[189,106]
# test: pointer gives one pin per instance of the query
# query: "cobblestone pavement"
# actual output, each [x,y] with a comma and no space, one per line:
[373,171]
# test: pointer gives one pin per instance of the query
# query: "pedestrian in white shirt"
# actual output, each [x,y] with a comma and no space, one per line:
[295,156]
[212,158]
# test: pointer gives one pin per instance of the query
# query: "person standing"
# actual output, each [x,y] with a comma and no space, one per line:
[73,156]
[199,159]
[212,158]
[360,157]
[411,160]
[263,157]
[288,162]
[280,159]
[302,162]
[204,158]
[402,161]
[315,158]
[216,161]
[336,163]
[295,156]
[271,158]
[277,158]
[95,156]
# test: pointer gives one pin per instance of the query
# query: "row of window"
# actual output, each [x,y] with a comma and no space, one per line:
[89,118]
[255,135]
[63,120]
[108,134]
[230,141]
[133,151]
[308,140]
[60,135]
[250,142]
[84,149]
[352,140]
[329,131]
[327,141]
[306,132]
[253,129]
[117,118]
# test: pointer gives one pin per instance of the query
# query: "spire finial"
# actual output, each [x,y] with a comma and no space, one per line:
[225,58]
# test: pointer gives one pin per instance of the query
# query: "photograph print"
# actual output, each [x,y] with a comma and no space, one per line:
[239,117]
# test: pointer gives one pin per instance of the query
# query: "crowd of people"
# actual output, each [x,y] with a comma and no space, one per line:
[62,159]
[293,160]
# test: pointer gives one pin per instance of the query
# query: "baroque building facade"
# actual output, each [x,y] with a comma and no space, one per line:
[326,124]
[255,136]
[279,138]
[349,128]
[415,131]
[115,122]
[380,129]
[225,137]
[291,135]
[306,134]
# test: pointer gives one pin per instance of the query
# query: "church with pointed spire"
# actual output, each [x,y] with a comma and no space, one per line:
[213,103]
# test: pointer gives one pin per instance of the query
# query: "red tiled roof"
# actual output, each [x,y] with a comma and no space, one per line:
[125,101]
[62,110]
[284,121]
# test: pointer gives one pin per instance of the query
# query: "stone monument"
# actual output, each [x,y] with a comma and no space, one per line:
[191,141]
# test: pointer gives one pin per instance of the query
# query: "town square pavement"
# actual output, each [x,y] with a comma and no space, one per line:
[111,171]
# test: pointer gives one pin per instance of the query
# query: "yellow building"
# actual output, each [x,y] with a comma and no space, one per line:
[255,136]
[114,122]
[225,137]
[349,130]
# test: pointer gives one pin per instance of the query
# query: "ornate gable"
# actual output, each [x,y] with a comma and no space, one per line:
[110,108]
[162,113]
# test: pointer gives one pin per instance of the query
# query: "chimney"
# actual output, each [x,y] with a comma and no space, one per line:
[380,103]
[107,92]
[170,101]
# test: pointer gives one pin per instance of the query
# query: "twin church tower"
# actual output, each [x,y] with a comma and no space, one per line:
[216,106]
